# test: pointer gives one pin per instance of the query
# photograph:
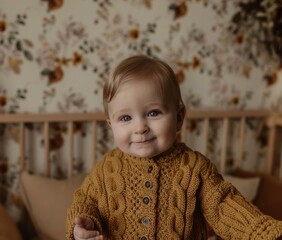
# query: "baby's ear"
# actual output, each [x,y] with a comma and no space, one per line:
[180,117]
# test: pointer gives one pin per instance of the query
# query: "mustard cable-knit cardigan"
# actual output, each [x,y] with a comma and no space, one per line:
[164,198]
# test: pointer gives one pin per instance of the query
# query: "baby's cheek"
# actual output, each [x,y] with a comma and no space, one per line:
[121,137]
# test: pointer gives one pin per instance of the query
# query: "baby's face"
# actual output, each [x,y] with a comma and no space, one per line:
[143,124]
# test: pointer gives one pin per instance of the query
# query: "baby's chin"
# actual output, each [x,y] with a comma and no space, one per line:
[155,154]
[141,154]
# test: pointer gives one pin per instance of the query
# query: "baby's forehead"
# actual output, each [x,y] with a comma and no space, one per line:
[141,86]
[157,82]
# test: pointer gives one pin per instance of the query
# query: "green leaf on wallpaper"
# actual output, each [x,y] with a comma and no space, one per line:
[19,46]
[11,39]
[149,52]
[45,72]
[28,55]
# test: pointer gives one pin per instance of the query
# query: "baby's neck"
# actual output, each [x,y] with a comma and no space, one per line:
[165,153]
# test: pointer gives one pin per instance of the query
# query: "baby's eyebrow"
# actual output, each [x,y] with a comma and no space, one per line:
[156,105]
[119,113]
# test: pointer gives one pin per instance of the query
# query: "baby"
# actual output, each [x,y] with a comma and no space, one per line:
[151,186]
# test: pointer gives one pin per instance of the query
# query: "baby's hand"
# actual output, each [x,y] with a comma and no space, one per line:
[84,230]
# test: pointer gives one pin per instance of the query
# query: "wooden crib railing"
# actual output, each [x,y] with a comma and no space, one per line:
[273,120]
[274,123]
[46,120]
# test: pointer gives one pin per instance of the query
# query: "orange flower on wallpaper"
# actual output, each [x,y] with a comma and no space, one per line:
[3,101]
[134,33]
[246,70]
[15,64]
[2,26]
[192,125]
[271,78]
[77,127]
[64,61]
[239,39]
[235,100]
[196,62]
[180,76]
[54,4]
[77,58]
[180,9]
[148,3]
[56,142]
[56,75]
[14,133]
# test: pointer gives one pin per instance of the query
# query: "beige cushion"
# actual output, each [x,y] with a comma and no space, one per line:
[269,197]
[8,229]
[248,187]
[47,201]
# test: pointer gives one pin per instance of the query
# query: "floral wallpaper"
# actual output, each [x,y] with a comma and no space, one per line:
[55,55]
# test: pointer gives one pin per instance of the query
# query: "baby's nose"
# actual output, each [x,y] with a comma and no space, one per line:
[141,127]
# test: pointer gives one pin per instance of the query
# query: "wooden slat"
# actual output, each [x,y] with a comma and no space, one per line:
[46,149]
[273,122]
[279,123]
[271,149]
[63,117]
[227,114]
[22,146]
[280,172]
[271,143]
[206,135]
[224,145]
[94,141]
[51,117]
[211,115]
[241,142]
[70,149]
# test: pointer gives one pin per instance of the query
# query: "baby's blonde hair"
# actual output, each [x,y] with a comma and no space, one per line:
[143,67]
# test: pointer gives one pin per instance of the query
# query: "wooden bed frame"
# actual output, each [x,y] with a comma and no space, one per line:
[32,188]
[273,121]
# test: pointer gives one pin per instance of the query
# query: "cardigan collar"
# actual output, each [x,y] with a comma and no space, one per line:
[177,149]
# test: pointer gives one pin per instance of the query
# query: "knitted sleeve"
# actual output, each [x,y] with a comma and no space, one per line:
[228,212]
[85,203]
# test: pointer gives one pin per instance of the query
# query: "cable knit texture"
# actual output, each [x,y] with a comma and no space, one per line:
[156,198]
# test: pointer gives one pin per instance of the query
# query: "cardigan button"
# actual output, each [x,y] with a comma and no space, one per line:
[144,238]
[146,200]
[145,221]
[150,169]
[148,184]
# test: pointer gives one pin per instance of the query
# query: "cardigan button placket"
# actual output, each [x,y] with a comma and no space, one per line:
[148,221]
[148,184]
[146,200]
[144,238]
[145,221]
[150,169]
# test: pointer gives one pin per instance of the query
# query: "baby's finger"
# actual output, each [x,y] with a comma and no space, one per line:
[84,222]
[100,237]
[81,233]
[80,220]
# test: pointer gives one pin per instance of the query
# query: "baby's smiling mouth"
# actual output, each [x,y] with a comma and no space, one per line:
[145,141]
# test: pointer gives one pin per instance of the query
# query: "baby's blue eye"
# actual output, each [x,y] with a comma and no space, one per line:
[125,118]
[153,113]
